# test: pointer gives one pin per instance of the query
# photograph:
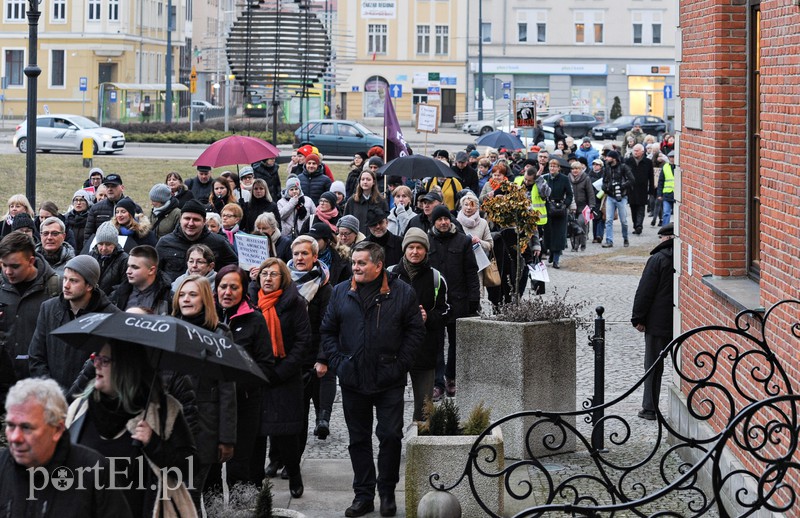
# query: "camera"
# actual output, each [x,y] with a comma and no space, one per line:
[617,190]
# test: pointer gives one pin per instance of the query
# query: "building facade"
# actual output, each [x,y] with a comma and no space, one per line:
[92,42]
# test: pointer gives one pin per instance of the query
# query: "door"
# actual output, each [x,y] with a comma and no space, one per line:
[65,134]
[44,133]
[448,105]
[107,72]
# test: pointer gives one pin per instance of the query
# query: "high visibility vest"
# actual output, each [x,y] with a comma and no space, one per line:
[669,179]
[538,203]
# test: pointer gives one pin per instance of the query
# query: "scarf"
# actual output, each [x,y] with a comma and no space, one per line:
[414,269]
[437,232]
[468,221]
[266,303]
[230,233]
[125,231]
[326,257]
[326,216]
[308,283]
[495,184]
[108,415]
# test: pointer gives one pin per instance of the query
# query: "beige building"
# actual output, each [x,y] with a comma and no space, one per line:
[413,48]
[118,43]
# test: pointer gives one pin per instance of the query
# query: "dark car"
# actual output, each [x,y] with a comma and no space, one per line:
[576,125]
[620,126]
[337,137]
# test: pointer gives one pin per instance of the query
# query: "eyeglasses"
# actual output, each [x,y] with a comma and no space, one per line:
[269,275]
[346,233]
[228,216]
[78,200]
[54,233]
[197,262]
[100,361]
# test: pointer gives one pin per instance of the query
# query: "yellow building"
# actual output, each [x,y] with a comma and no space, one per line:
[93,42]
[414,48]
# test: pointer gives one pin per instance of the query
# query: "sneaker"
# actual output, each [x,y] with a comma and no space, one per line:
[438,393]
[626,244]
[583,248]
[608,244]
[450,387]
[649,415]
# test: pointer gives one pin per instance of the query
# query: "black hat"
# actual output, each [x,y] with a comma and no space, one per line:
[320,230]
[375,216]
[667,230]
[363,155]
[23,220]
[441,153]
[127,204]
[194,207]
[440,211]
[432,196]
[113,178]
[613,154]
[204,168]
[330,197]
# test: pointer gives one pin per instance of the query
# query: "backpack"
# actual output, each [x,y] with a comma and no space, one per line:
[437,280]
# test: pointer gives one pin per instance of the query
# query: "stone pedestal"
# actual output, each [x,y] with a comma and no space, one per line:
[512,367]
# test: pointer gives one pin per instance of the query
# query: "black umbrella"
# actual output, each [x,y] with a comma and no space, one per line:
[171,344]
[418,167]
[500,139]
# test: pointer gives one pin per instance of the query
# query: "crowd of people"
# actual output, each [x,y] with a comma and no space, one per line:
[364,282]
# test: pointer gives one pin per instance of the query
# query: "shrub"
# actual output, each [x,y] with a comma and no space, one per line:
[478,420]
[444,419]
[541,309]
[240,503]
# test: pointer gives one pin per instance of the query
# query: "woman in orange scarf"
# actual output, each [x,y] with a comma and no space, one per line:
[492,187]
[283,417]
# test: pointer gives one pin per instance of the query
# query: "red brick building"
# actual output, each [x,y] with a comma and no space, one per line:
[738,190]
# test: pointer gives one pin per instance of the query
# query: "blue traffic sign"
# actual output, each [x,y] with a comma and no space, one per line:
[507,86]
[354,89]
[395,91]
[668,92]
[112,96]
[506,95]
[84,84]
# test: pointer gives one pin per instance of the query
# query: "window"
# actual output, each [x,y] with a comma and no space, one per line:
[113,10]
[376,38]
[423,39]
[646,27]
[419,96]
[522,32]
[589,26]
[59,11]
[14,67]
[94,10]
[57,66]
[442,39]
[754,145]
[486,32]
[541,32]
[15,10]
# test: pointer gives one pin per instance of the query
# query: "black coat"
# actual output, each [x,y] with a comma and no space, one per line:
[90,502]
[643,180]
[433,297]
[392,247]
[256,207]
[556,228]
[352,181]
[51,357]
[371,347]
[162,302]
[653,303]
[172,251]
[316,311]
[620,174]
[272,176]
[76,223]
[250,331]
[452,255]
[469,177]
[201,191]
[112,269]
[359,209]
[314,184]
[183,196]
[99,213]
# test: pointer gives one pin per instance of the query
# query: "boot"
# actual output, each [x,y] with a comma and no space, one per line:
[322,430]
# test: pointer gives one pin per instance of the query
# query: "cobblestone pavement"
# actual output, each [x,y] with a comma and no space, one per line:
[603,277]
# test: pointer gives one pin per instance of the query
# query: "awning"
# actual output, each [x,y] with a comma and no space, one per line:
[149,87]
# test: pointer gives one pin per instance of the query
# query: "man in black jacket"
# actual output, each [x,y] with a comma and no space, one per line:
[370,334]
[466,172]
[201,184]
[145,286]
[643,185]
[617,185]
[379,233]
[652,315]
[103,210]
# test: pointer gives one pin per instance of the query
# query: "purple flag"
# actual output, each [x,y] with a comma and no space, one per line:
[395,142]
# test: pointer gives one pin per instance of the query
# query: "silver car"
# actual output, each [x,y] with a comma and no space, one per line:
[66,132]
[485,126]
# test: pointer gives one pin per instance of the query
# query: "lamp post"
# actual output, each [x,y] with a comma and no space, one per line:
[32,72]
[168,81]
[228,80]
[480,59]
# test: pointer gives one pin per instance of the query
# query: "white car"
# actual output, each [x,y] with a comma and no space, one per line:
[197,104]
[66,133]
[485,126]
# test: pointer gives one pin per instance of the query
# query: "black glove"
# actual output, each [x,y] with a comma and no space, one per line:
[475,308]
[301,211]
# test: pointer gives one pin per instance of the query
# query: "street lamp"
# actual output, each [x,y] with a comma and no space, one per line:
[230,78]
[480,59]
[168,78]
[32,72]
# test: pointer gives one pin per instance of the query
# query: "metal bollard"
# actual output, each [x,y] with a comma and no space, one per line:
[598,343]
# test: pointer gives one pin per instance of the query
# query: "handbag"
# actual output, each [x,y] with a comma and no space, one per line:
[491,274]
[556,208]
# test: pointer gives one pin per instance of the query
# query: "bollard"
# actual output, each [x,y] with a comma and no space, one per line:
[88,151]
[598,343]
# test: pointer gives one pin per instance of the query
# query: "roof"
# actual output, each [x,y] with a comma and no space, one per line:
[150,87]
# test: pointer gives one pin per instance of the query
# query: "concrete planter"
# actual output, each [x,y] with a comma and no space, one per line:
[447,455]
[516,366]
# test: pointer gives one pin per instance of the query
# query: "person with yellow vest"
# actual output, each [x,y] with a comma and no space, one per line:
[537,187]
[666,188]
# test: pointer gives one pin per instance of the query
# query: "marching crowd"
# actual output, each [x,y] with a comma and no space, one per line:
[363,285]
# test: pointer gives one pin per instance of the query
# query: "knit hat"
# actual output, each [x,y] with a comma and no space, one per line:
[349,222]
[195,207]
[441,153]
[474,153]
[416,235]
[614,155]
[338,186]
[293,182]
[468,195]
[23,220]
[320,230]
[86,195]
[246,171]
[313,157]
[160,193]
[375,151]
[86,266]
[362,155]
[331,197]
[95,170]
[127,204]
[305,150]
[440,211]
[597,161]
[107,233]
[376,160]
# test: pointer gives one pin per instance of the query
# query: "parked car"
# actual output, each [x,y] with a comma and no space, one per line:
[197,104]
[576,125]
[337,137]
[66,133]
[485,126]
[618,127]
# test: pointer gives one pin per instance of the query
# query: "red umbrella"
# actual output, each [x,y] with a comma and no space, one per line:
[236,149]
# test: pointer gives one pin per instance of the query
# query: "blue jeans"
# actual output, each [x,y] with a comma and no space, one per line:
[622,206]
[667,212]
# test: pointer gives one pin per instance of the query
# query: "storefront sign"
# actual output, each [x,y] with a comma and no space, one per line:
[573,69]
[650,70]
[378,8]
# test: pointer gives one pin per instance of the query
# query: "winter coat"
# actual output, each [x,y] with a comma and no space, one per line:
[113,269]
[282,411]
[556,228]
[340,268]
[272,176]
[351,183]
[468,176]
[291,222]
[451,253]
[91,501]
[99,213]
[314,184]
[18,312]
[559,134]
[481,231]
[582,191]
[51,357]
[201,191]
[254,208]
[249,331]
[643,184]
[371,347]
[66,253]
[359,209]
[399,219]
[76,223]
[620,174]
[316,310]
[172,251]
[143,235]
[433,297]
[392,247]
[165,221]
[162,302]
[653,302]
[183,195]
[589,154]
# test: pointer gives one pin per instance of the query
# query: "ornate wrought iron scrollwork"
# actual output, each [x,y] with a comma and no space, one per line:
[739,387]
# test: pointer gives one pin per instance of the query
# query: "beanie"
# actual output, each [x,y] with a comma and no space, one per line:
[363,155]
[440,211]
[330,197]
[293,182]
[416,235]
[614,155]
[320,230]
[195,207]
[127,204]
[107,233]
[338,186]
[160,193]
[376,160]
[23,220]
[312,157]
[87,267]
[349,222]
[80,193]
